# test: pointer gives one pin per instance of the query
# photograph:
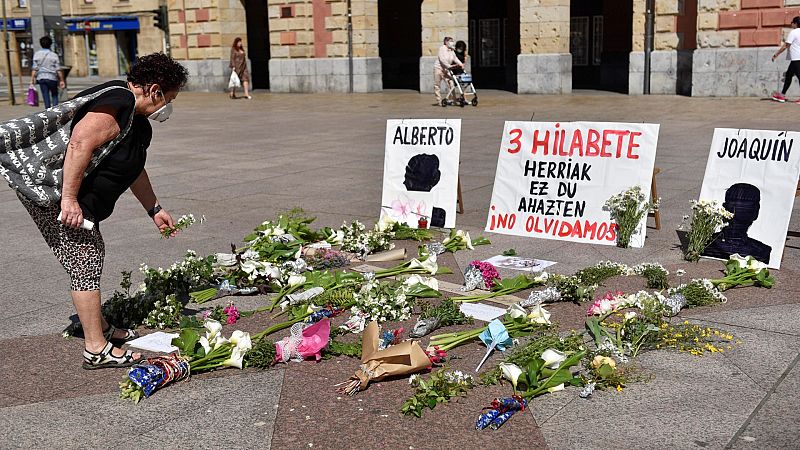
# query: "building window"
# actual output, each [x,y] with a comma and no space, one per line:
[22,3]
[489,35]
[286,12]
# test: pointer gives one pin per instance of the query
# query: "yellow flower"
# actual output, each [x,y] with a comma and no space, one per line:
[619,388]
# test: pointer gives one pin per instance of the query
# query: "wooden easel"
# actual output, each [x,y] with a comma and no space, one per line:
[795,233]
[459,199]
[654,196]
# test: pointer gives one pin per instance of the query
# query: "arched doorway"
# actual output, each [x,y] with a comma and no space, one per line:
[258,42]
[399,34]
[600,44]
[494,43]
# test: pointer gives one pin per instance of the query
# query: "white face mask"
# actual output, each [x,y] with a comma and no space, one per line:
[451,45]
[162,114]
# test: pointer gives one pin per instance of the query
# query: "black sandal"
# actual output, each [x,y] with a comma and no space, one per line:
[105,359]
[129,335]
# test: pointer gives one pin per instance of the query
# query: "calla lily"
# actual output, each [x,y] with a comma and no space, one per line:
[218,341]
[241,340]
[739,259]
[755,265]
[277,231]
[429,264]
[539,315]
[431,282]
[542,277]
[236,359]
[511,372]
[560,387]
[225,259]
[206,345]
[553,358]
[468,240]
[213,328]
[384,223]
[249,266]
[516,311]
[336,238]
[295,280]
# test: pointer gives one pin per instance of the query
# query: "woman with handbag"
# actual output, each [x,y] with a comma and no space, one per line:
[238,66]
[46,71]
[108,135]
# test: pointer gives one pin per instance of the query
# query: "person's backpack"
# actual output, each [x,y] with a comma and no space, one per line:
[32,149]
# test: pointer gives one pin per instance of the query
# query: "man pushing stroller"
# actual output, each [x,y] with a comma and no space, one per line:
[446,59]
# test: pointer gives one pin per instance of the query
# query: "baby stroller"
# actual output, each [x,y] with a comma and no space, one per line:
[460,87]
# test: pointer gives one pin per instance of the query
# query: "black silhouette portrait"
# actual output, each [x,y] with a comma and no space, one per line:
[422,173]
[438,216]
[744,201]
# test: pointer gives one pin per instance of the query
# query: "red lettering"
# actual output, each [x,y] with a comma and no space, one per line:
[602,230]
[540,142]
[565,230]
[548,224]
[577,143]
[591,143]
[576,230]
[589,228]
[632,145]
[530,222]
[620,136]
[502,220]
[512,220]
[563,135]
[603,149]
[612,233]
[515,140]
[536,226]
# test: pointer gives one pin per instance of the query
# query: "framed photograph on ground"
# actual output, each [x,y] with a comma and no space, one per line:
[519,263]
[753,174]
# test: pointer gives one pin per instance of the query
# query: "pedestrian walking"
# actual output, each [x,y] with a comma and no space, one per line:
[792,44]
[46,71]
[238,64]
[446,58]
[103,157]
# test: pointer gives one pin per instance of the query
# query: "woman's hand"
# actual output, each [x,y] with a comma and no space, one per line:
[163,221]
[71,213]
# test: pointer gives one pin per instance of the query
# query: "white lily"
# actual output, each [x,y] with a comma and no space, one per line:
[755,265]
[241,340]
[384,223]
[206,345]
[511,372]
[539,315]
[560,387]
[429,264]
[249,266]
[553,358]
[295,280]
[542,277]
[272,271]
[431,282]
[337,238]
[277,231]
[630,315]
[739,259]
[218,341]
[516,311]
[468,240]
[236,359]
[213,328]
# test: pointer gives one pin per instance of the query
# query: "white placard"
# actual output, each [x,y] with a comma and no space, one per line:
[532,265]
[753,174]
[480,311]
[420,171]
[553,178]
[155,342]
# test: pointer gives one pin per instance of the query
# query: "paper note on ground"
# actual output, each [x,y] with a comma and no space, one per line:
[155,342]
[532,265]
[481,311]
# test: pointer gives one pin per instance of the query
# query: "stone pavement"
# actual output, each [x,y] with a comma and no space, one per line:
[240,162]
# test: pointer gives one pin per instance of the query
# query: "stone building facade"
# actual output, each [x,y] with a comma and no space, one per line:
[701,47]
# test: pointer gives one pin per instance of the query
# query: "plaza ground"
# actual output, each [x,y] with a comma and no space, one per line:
[241,162]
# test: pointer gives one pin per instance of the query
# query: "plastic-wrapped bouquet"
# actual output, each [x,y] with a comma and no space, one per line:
[627,209]
[480,274]
[707,217]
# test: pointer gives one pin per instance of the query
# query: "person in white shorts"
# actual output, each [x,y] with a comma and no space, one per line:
[793,45]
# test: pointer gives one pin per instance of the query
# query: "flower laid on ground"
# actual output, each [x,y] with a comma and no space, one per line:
[516,326]
[165,313]
[440,387]
[460,240]
[655,274]
[382,302]
[627,209]
[506,286]
[694,339]
[707,217]
[500,411]
[228,314]
[547,373]
[184,222]
[488,272]
[305,341]
[741,271]
[698,292]
[445,314]
[357,239]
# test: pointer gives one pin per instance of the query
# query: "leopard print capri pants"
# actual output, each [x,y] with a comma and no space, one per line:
[80,251]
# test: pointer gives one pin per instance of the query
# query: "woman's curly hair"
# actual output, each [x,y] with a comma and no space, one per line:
[158,68]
